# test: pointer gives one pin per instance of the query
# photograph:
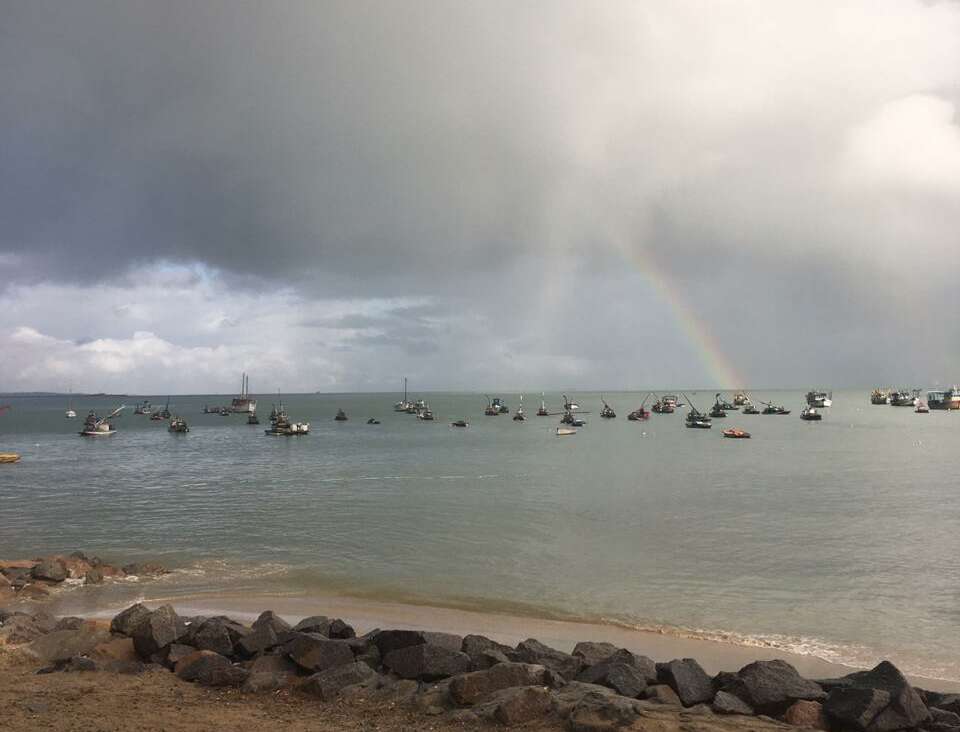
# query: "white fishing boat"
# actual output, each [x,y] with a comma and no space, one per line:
[810,414]
[820,399]
[70,413]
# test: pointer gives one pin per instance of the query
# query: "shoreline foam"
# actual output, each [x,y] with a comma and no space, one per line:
[714,654]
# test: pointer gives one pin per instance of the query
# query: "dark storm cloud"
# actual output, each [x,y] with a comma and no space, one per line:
[518,166]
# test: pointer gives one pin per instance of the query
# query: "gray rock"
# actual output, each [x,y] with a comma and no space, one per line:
[50,569]
[855,708]
[905,708]
[533,651]
[316,653]
[944,718]
[62,645]
[617,675]
[593,653]
[20,628]
[477,686]
[522,704]
[599,712]
[426,662]
[313,624]
[687,679]
[79,664]
[125,622]
[662,694]
[391,640]
[770,687]
[210,669]
[212,635]
[94,576]
[171,655]
[258,640]
[160,628]
[70,623]
[328,683]
[726,703]
[271,619]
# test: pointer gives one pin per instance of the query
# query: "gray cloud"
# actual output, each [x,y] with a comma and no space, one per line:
[534,175]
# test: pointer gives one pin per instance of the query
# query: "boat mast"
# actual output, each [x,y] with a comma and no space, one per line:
[404,389]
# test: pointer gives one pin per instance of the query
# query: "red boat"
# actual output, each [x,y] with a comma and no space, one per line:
[736,434]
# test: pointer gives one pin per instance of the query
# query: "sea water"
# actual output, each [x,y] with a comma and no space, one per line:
[837,539]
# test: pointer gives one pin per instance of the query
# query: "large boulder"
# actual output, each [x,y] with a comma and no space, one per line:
[271,619]
[217,635]
[20,628]
[476,686]
[328,683]
[330,627]
[855,708]
[533,651]
[726,703]
[426,662]
[661,694]
[598,712]
[770,687]
[618,675]
[316,653]
[687,678]
[62,645]
[391,640]
[269,673]
[521,705]
[51,569]
[210,669]
[258,640]
[592,652]
[904,709]
[124,622]
[160,628]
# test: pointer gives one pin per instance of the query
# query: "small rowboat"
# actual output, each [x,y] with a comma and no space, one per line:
[9,457]
[736,434]
[563,431]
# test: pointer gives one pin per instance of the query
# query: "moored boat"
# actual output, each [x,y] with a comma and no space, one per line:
[426,414]
[741,399]
[820,399]
[718,411]
[736,434]
[373,420]
[953,397]
[905,398]
[519,415]
[564,431]
[663,405]
[284,427]
[460,423]
[252,418]
[94,426]
[696,419]
[771,408]
[936,400]
[880,396]
[403,404]
[607,411]
[810,414]
[178,424]
[641,413]
[341,416]
[922,408]
[750,409]
[243,404]
[542,411]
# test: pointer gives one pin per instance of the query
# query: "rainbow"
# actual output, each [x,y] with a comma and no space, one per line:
[694,329]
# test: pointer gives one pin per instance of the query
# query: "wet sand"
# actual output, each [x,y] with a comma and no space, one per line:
[366,615]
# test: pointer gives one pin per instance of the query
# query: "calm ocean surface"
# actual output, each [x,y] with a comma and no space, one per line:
[838,539]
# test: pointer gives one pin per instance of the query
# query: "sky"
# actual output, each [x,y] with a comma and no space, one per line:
[499,195]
